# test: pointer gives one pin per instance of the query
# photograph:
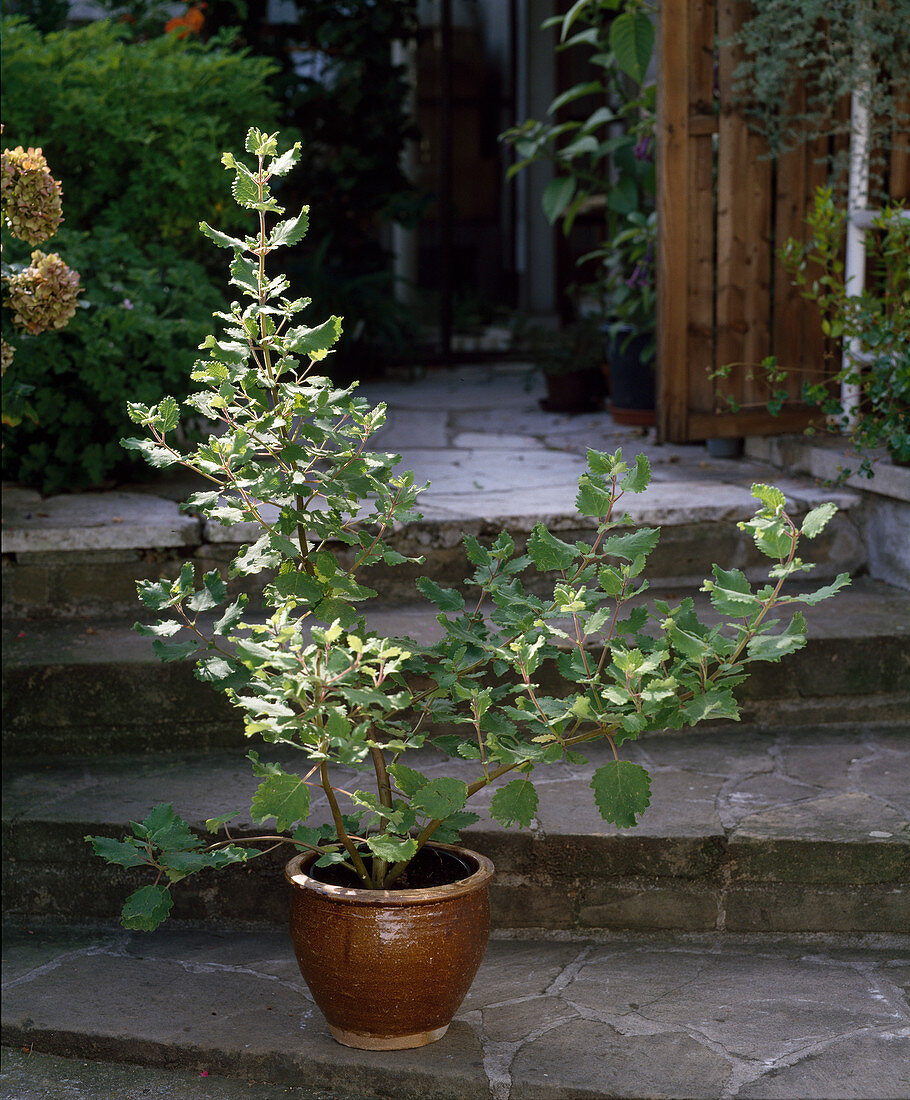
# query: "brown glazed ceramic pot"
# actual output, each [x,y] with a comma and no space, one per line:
[389,968]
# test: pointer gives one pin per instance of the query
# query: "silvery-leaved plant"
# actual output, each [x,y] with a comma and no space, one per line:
[291,457]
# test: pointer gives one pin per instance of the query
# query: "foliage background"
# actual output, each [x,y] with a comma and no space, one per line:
[134,131]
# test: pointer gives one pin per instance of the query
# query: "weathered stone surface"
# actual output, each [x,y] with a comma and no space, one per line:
[626,1017]
[94,521]
[873,1066]
[795,907]
[825,855]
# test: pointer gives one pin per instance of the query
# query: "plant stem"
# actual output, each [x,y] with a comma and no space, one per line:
[359,865]
[384,787]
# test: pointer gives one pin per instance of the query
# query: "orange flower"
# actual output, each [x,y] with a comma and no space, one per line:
[190,23]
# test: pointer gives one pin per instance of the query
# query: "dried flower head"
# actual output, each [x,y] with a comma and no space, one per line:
[43,296]
[31,197]
[6,355]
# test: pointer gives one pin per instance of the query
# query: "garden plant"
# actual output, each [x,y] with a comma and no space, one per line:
[877,320]
[290,455]
[43,294]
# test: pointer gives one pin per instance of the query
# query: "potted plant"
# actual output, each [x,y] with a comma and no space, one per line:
[629,297]
[572,361]
[604,162]
[291,458]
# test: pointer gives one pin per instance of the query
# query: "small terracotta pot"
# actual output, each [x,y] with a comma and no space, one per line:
[389,968]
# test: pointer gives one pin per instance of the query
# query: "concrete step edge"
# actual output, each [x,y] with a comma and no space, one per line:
[793,831]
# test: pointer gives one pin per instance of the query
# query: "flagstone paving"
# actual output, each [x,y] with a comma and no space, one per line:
[618,1016]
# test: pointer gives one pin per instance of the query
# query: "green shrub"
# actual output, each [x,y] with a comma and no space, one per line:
[120,120]
[143,313]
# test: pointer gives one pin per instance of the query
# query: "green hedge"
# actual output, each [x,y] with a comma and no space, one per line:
[143,315]
[134,130]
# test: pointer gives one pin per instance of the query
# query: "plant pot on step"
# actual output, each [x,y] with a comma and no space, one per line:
[631,380]
[579,391]
[390,968]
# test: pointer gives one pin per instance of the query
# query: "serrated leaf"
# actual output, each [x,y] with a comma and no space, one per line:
[392,848]
[291,231]
[633,545]
[515,803]
[177,651]
[213,824]
[639,477]
[771,647]
[731,593]
[592,499]
[244,189]
[116,851]
[622,791]
[146,908]
[773,499]
[816,520]
[446,599]
[212,595]
[548,552]
[280,166]
[312,341]
[441,797]
[407,779]
[823,593]
[299,585]
[284,797]
[221,239]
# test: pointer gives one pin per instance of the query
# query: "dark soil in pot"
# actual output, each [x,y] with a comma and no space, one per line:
[430,867]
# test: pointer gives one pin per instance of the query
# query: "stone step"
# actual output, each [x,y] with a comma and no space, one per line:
[222,1014]
[90,686]
[71,556]
[776,831]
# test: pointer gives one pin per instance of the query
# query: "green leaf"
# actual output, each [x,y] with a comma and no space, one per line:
[300,585]
[515,803]
[169,412]
[622,791]
[221,239]
[212,595]
[731,592]
[557,195]
[592,499]
[176,651]
[446,599]
[441,797]
[773,499]
[638,478]
[548,552]
[771,647]
[314,341]
[632,41]
[116,851]
[146,908]
[822,593]
[292,231]
[392,848]
[816,520]
[632,545]
[284,797]
[408,780]
[623,196]
[280,166]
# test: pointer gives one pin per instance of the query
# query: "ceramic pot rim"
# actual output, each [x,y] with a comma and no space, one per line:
[297,876]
